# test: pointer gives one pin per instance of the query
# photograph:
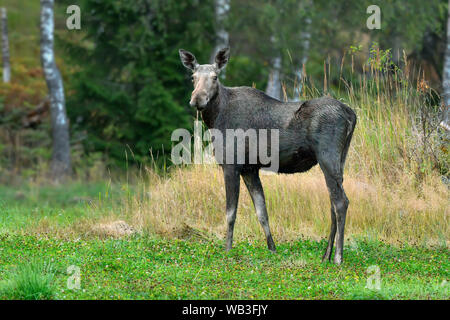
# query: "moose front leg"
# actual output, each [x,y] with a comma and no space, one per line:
[256,191]
[232,181]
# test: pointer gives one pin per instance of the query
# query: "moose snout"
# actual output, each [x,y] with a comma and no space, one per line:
[199,99]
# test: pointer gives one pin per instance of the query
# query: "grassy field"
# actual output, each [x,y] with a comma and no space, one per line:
[153,268]
[47,229]
[397,226]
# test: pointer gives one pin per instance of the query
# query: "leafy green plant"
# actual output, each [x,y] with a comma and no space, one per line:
[30,281]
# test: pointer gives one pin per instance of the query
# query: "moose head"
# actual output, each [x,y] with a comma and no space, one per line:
[204,76]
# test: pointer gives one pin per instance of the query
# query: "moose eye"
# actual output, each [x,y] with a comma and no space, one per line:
[192,78]
[215,78]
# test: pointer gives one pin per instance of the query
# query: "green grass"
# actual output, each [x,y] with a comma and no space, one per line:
[28,206]
[29,281]
[146,267]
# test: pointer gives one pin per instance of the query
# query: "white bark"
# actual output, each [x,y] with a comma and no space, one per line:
[222,8]
[61,164]
[305,38]
[5,47]
[273,88]
[446,79]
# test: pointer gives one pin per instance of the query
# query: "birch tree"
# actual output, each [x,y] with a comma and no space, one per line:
[273,88]
[5,46]
[446,79]
[61,163]
[222,7]
[305,38]
[306,12]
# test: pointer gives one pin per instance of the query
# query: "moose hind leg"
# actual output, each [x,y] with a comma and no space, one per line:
[232,181]
[339,203]
[256,191]
[340,207]
[329,250]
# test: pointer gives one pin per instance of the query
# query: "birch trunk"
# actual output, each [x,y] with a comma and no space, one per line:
[305,38]
[445,123]
[61,163]
[5,47]
[273,88]
[222,8]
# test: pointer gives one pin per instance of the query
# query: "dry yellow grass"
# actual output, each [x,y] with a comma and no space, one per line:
[298,206]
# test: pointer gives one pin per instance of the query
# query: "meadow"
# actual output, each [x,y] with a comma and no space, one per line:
[152,233]
[49,232]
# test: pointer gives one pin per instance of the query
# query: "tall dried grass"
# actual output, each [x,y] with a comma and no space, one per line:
[193,199]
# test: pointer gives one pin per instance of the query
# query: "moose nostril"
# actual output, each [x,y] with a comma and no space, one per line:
[199,99]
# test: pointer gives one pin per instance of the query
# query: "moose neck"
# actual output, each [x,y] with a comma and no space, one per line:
[214,106]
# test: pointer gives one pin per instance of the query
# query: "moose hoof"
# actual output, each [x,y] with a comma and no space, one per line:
[337,260]
[271,247]
[326,256]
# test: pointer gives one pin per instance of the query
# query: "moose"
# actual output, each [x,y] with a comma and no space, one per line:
[316,131]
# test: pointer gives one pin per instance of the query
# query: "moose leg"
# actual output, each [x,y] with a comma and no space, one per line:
[232,181]
[256,191]
[340,207]
[339,203]
[328,251]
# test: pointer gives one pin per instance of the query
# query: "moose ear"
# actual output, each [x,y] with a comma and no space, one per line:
[188,59]
[222,57]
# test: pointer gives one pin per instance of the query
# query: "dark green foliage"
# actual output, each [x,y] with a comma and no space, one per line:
[242,70]
[132,90]
[21,148]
